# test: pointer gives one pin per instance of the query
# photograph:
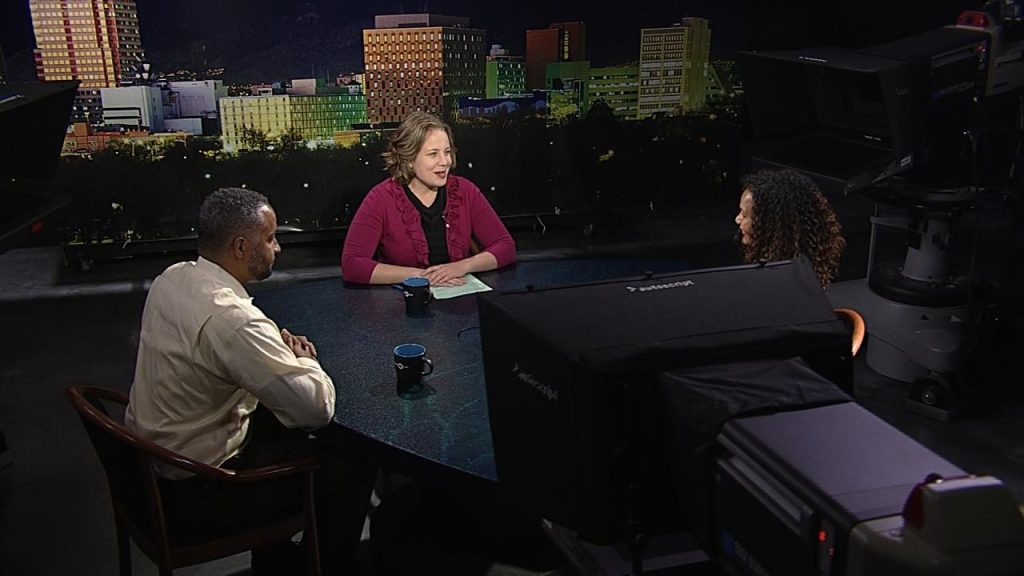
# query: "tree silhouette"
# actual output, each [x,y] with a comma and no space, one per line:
[290,139]
[524,164]
[600,110]
[255,140]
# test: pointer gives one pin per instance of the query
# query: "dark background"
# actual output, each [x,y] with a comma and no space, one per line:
[263,40]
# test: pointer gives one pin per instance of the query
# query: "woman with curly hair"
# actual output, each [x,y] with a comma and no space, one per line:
[783,215]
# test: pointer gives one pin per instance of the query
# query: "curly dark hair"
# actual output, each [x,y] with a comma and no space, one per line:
[791,217]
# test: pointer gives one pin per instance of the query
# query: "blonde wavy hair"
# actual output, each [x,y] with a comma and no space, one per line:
[406,141]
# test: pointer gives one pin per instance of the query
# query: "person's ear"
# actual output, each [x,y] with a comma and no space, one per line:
[239,246]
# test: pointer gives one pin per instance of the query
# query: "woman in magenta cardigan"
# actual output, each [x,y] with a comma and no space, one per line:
[422,221]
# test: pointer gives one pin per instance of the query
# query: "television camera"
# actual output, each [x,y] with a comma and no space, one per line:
[922,126]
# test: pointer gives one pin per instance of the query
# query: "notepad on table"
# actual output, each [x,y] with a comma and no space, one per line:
[472,285]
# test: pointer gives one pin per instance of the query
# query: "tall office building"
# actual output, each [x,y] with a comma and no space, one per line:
[94,41]
[616,86]
[139,107]
[506,74]
[672,67]
[318,118]
[559,42]
[195,98]
[421,62]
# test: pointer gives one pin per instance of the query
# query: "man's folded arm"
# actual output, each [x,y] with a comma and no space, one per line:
[295,389]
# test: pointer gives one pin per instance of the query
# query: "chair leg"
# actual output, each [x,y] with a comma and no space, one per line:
[124,547]
[310,535]
[312,552]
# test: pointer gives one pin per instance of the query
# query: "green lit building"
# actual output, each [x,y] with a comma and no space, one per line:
[569,84]
[618,86]
[506,75]
[317,118]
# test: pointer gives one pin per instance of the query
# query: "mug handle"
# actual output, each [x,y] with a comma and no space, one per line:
[428,366]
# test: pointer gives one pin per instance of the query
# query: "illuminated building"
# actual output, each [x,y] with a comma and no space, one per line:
[560,42]
[94,41]
[568,83]
[618,87]
[672,68]
[268,114]
[316,118]
[506,75]
[83,138]
[421,62]
[139,107]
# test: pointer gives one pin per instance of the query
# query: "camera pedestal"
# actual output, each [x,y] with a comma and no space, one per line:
[919,344]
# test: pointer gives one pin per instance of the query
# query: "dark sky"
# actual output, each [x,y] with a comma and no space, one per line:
[612,35]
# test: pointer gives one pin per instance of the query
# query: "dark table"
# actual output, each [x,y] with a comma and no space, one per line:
[444,433]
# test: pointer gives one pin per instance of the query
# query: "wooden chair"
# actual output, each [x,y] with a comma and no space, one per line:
[139,511]
[855,322]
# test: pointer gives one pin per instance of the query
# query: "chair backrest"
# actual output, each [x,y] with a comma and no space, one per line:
[128,460]
[130,473]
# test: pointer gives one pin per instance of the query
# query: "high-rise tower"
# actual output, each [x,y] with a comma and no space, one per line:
[506,74]
[94,41]
[421,62]
[559,42]
[672,67]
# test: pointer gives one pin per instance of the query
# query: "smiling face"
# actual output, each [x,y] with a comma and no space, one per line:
[745,219]
[430,167]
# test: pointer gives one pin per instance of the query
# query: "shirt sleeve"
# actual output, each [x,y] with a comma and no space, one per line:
[255,357]
[361,241]
[489,230]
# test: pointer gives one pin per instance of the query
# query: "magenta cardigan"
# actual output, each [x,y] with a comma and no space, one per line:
[387,226]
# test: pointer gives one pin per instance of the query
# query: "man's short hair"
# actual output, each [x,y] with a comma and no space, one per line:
[227,214]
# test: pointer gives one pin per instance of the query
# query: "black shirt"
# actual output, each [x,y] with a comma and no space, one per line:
[434,226]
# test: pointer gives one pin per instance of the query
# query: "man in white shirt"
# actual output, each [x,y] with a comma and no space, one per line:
[216,380]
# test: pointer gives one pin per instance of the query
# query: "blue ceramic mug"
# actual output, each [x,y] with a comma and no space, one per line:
[416,290]
[411,365]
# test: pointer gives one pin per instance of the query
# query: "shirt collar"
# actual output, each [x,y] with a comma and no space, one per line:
[223,276]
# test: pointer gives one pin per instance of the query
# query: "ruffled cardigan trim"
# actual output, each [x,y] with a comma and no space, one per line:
[414,228]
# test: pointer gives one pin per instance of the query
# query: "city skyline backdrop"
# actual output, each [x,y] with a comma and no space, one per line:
[264,40]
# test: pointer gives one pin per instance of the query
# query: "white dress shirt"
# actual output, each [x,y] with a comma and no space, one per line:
[207,356]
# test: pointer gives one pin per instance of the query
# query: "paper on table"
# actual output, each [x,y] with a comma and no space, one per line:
[471,286]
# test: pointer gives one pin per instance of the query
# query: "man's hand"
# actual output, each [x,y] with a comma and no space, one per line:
[450,274]
[300,345]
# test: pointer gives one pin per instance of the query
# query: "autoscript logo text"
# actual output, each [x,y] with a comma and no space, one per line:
[653,287]
[545,390]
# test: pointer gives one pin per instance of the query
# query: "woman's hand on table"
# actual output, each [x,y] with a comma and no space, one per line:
[450,274]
